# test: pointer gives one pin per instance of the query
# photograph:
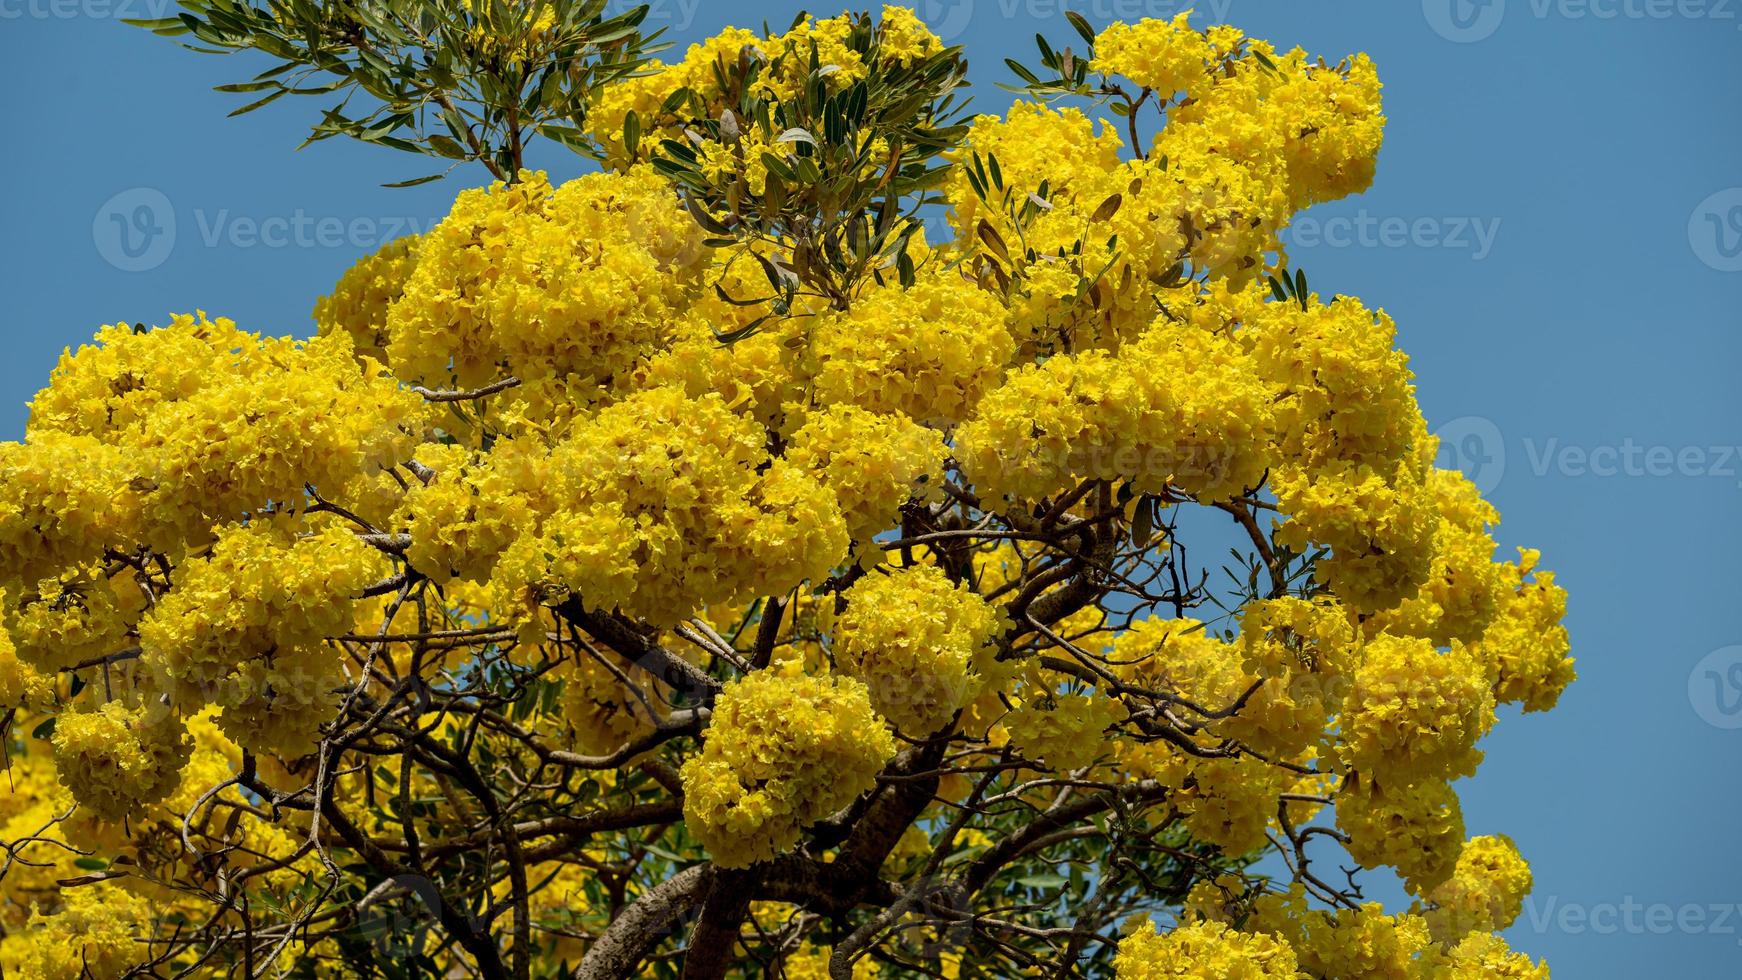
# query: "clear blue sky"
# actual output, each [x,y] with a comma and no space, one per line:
[1556,226]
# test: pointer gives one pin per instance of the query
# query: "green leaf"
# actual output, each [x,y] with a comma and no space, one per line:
[1021,72]
[733,336]
[632,133]
[45,730]
[447,147]
[1081,23]
[413,182]
[250,107]
[246,87]
[779,168]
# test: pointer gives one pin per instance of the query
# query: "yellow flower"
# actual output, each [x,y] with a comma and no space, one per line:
[784,751]
[924,646]
[929,352]
[1205,951]
[1166,56]
[1484,894]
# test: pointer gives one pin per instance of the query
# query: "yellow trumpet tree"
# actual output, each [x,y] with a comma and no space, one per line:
[777,553]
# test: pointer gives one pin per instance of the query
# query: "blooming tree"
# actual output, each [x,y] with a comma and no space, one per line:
[780,552]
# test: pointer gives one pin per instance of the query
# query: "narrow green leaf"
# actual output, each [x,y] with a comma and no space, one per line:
[632,133]
[1081,23]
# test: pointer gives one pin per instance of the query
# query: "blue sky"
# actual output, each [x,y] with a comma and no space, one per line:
[1556,227]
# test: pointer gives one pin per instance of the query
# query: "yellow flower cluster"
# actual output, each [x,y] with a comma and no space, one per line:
[1358,942]
[1259,136]
[1415,712]
[784,750]
[1300,653]
[1481,956]
[666,504]
[1202,951]
[96,934]
[469,512]
[1366,942]
[1302,131]
[874,463]
[359,301]
[1465,586]
[526,281]
[1033,144]
[243,628]
[646,93]
[1163,56]
[79,616]
[21,684]
[1526,643]
[923,645]
[63,497]
[1418,829]
[1345,389]
[930,352]
[765,375]
[785,68]
[1227,801]
[1080,276]
[189,425]
[1352,471]
[1062,731]
[512,32]
[115,759]
[1484,894]
[1380,531]
[1180,407]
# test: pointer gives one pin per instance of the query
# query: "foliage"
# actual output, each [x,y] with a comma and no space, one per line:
[694,569]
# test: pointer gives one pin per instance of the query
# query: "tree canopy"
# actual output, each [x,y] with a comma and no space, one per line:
[841,535]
